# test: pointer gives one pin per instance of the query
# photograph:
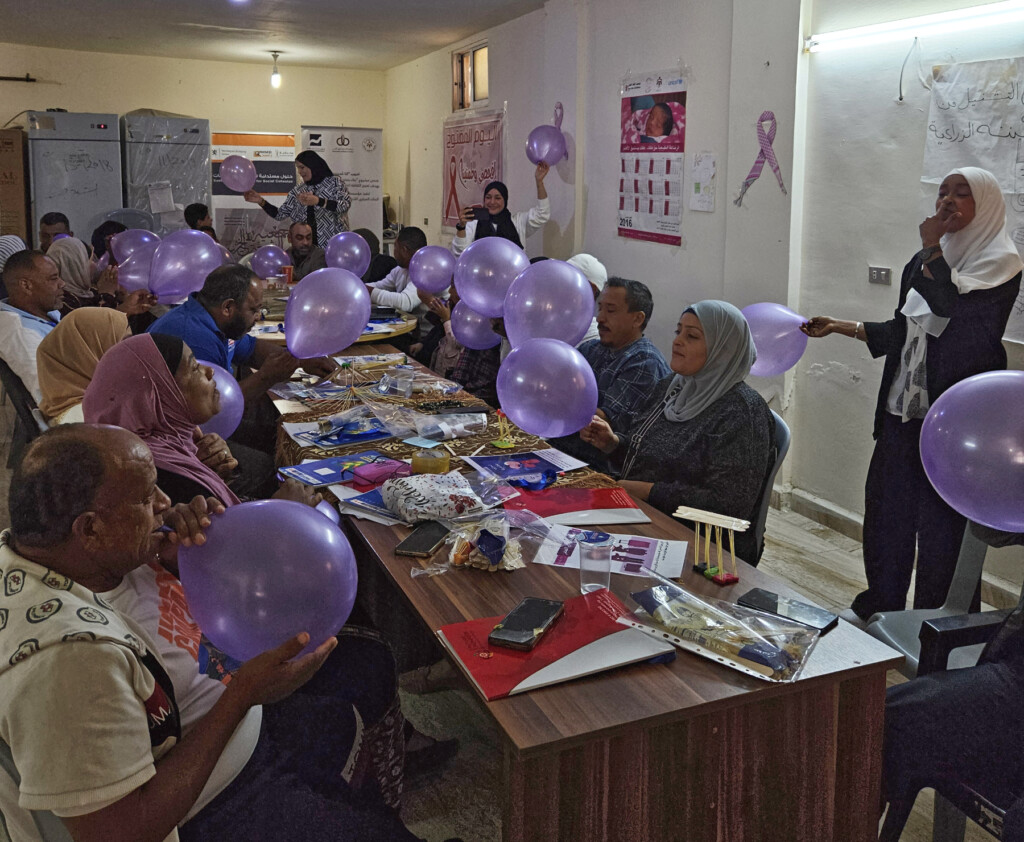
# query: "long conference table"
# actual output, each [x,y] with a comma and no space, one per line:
[690,750]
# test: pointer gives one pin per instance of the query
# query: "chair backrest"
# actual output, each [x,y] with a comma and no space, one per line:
[21,400]
[48,826]
[967,574]
[782,438]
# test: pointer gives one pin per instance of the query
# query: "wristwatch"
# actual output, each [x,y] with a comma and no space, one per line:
[926,254]
[460,227]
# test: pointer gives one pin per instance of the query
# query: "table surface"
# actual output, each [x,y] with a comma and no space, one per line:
[275,308]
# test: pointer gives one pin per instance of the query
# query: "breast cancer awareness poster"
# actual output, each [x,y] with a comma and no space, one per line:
[473,156]
[653,135]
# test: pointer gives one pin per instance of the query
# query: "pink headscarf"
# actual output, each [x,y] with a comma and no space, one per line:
[134,389]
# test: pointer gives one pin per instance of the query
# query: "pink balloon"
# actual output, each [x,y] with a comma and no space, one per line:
[348,250]
[327,311]
[547,144]
[485,271]
[471,329]
[547,388]
[269,570]
[133,273]
[551,299]
[232,403]
[124,244]
[268,261]
[238,173]
[777,337]
[182,262]
[431,269]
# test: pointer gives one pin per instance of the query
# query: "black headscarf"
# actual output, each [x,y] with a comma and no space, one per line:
[99,236]
[503,220]
[171,348]
[317,166]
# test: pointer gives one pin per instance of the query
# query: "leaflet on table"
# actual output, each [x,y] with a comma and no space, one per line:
[317,392]
[630,553]
[525,465]
[364,361]
[334,469]
[344,494]
[307,433]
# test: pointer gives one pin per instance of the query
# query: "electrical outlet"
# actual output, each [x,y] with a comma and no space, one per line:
[879,275]
[426,221]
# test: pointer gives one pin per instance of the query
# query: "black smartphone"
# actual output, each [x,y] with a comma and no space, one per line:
[791,609]
[524,625]
[424,540]
[478,212]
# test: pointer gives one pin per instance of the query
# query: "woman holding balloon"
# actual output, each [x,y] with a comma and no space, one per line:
[955,298]
[321,200]
[495,220]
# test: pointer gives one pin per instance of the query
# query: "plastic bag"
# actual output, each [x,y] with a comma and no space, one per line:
[441,427]
[483,540]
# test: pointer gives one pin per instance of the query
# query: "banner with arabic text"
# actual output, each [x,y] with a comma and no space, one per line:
[474,155]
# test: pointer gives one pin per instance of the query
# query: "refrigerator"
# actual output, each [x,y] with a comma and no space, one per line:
[74,168]
[166,165]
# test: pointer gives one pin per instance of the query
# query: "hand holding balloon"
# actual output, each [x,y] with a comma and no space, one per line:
[776,331]
[298,492]
[273,675]
[214,452]
[600,434]
[252,196]
[821,326]
[186,522]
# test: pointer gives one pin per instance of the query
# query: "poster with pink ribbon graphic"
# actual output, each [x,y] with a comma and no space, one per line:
[473,156]
[651,146]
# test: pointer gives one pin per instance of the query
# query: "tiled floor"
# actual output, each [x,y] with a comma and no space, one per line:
[464,800]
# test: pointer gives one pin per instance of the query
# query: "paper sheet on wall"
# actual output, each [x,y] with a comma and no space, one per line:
[976,119]
[702,180]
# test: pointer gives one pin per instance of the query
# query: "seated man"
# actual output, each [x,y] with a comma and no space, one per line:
[50,225]
[197,215]
[305,254]
[626,364]
[31,310]
[397,290]
[145,743]
[380,264]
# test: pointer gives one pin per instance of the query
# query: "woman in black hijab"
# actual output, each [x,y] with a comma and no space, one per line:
[494,219]
[321,200]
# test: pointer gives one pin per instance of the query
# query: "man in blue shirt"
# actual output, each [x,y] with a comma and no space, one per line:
[31,310]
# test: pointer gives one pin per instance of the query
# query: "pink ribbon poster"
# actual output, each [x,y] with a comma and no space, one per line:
[473,156]
[653,134]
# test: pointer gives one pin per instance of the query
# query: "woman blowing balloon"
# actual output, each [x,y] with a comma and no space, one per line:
[321,200]
[706,439]
[955,298]
[494,219]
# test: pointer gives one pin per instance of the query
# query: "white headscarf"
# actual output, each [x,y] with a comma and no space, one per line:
[72,259]
[592,268]
[731,354]
[981,255]
[10,244]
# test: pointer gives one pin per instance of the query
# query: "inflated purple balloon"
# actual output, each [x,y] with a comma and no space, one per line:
[471,329]
[269,570]
[485,271]
[182,262]
[232,403]
[348,250]
[133,272]
[238,173]
[228,256]
[777,337]
[327,311]
[328,511]
[547,144]
[972,448]
[103,262]
[551,299]
[431,269]
[268,260]
[124,244]
[547,388]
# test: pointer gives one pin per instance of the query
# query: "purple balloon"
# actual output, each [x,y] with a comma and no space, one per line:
[133,272]
[431,269]
[327,311]
[471,329]
[182,262]
[485,271]
[232,403]
[268,261]
[269,570]
[104,261]
[777,337]
[550,299]
[328,511]
[228,256]
[972,448]
[123,245]
[547,388]
[547,144]
[348,250]
[238,173]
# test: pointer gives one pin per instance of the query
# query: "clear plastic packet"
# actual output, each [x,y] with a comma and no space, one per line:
[492,540]
[758,644]
[442,427]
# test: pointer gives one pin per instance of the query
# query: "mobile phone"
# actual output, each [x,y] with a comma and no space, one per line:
[524,625]
[477,212]
[423,540]
[791,609]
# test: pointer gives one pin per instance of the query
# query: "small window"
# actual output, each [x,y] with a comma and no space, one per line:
[469,77]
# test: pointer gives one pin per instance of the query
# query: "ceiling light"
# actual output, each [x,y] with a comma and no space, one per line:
[275,76]
[957,20]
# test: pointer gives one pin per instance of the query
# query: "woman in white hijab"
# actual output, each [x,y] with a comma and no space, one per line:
[955,298]
[706,439]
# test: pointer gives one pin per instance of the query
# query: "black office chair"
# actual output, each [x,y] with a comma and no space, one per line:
[28,422]
[782,439]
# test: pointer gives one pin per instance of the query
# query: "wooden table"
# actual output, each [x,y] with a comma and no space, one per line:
[686,751]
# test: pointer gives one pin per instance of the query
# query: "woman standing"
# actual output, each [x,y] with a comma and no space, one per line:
[494,219]
[321,200]
[955,298]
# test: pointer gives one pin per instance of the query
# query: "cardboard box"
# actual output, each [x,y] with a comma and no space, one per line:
[14,183]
